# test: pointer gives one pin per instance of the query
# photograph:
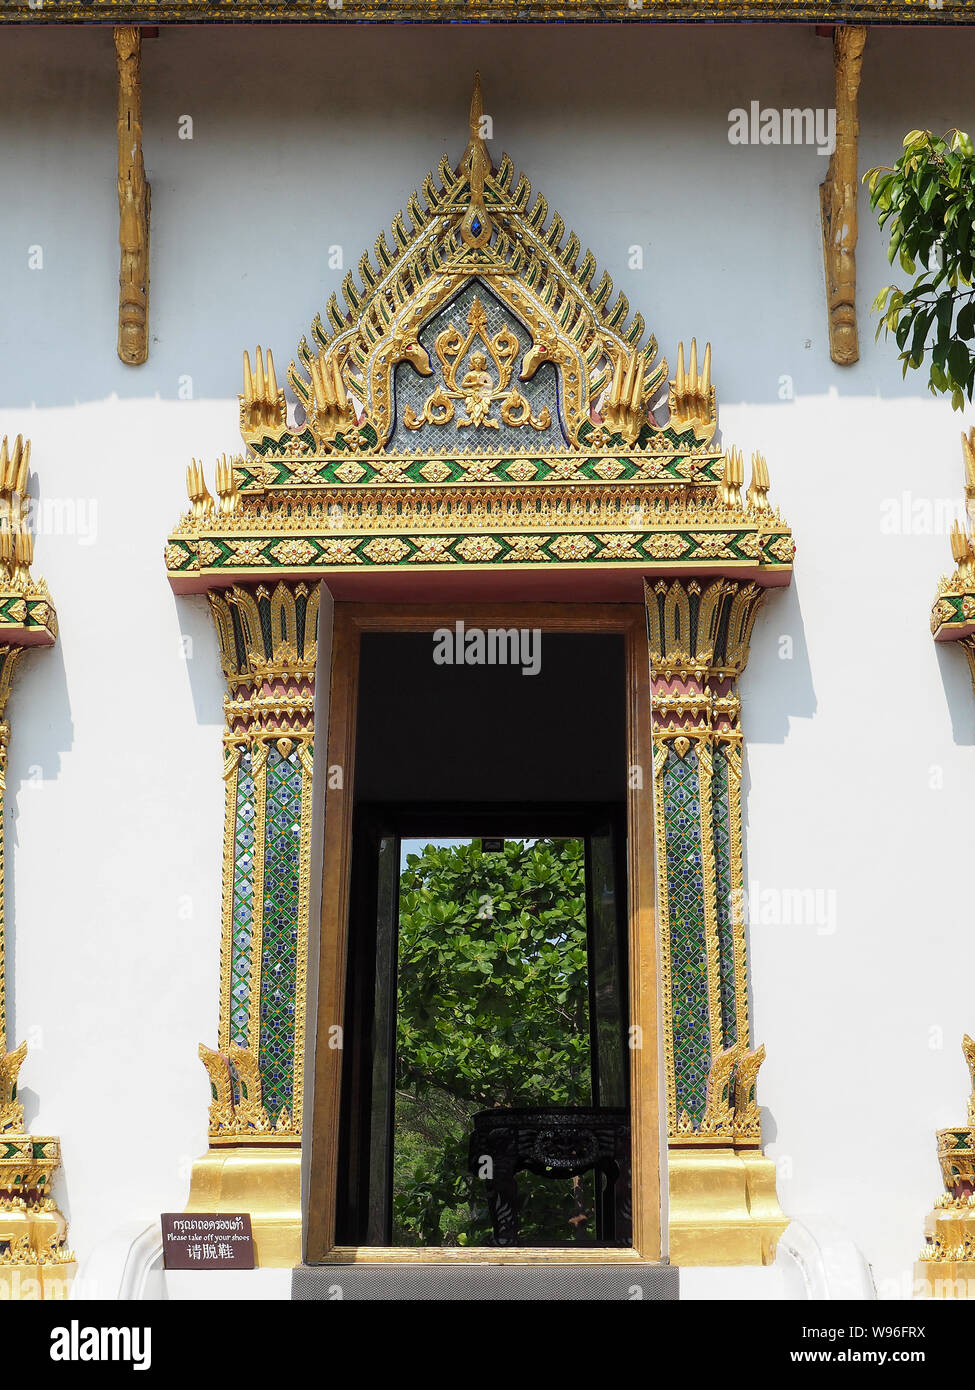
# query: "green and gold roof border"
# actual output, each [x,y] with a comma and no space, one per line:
[485,11]
[216,558]
[611,485]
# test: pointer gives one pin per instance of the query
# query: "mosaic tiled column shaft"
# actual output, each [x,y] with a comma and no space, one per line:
[268,640]
[699,633]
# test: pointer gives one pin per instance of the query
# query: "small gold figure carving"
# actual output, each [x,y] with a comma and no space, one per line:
[477,390]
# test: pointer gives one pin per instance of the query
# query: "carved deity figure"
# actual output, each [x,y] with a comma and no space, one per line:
[477,385]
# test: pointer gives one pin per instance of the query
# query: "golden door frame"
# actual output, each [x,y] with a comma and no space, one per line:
[351,620]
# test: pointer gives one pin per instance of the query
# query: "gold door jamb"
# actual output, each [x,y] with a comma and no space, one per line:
[350,621]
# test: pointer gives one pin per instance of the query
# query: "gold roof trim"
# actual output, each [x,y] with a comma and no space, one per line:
[486,11]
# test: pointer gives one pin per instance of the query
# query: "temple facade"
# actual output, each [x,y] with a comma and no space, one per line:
[342,364]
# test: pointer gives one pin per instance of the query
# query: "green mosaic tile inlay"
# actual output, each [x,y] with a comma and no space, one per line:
[279,943]
[688,956]
[402,548]
[721,830]
[243,905]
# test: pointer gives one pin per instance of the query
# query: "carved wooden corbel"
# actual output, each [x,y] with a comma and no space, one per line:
[838,198]
[133,203]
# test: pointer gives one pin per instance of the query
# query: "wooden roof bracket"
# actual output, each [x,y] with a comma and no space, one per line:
[133,202]
[838,198]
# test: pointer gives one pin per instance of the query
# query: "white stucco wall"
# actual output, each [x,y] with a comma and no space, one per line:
[861,747]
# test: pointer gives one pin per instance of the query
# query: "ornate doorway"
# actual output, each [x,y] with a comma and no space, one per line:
[563,814]
[483,422]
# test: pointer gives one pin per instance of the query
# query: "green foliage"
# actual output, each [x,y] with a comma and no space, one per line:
[493,1010]
[928,202]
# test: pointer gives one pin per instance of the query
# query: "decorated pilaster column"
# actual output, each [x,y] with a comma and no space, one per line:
[35,1261]
[946,1264]
[723,1204]
[268,641]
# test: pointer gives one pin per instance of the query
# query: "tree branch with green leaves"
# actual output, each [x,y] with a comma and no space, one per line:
[927,200]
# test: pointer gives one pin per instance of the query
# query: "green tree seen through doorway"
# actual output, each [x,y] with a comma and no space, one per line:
[492,1010]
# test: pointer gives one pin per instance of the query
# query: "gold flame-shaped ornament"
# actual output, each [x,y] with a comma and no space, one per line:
[476,227]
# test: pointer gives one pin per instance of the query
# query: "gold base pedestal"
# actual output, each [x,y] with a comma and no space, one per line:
[33,1282]
[35,1262]
[264,1180]
[946,1268]
[724,1209]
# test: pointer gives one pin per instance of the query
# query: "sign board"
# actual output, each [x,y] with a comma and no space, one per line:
[203,1240]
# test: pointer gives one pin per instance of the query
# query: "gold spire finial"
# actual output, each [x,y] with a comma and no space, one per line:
[968,1048]
[476,227]
[477,108]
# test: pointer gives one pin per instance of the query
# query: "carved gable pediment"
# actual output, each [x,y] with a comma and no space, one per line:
[479,285]
[480,398]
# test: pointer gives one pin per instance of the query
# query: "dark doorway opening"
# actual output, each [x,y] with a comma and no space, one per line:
[487,956]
